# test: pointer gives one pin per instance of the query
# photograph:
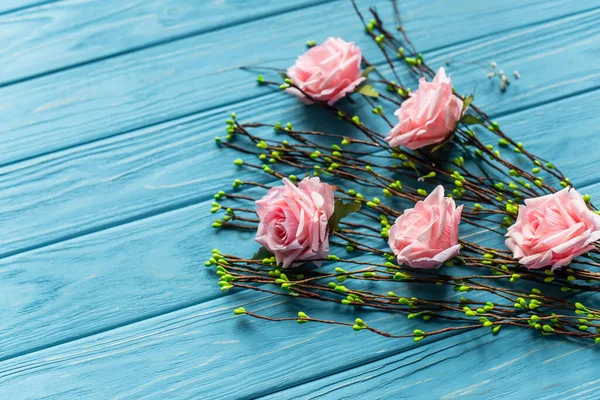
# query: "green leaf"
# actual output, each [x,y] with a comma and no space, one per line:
[340,211]
[367,90]
[471,119]
[283,74]
[442,144]
[261,254]
[467,102]
[460,260]
[367,71]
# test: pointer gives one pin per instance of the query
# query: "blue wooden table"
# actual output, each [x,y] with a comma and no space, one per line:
[108,167]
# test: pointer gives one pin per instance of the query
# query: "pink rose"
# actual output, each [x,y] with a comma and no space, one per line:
[327,72]
[552,230]
[428,116]
[427,235]
[293,220]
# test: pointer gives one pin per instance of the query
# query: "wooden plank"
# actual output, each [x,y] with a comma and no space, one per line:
[63,195]
[9,6]
[206,352]
[103,184]
[163,168]
[171,81]
[115,368]
[121,275]
[512,365]
[143,268]
[113,277]
[158,169]
[68,33]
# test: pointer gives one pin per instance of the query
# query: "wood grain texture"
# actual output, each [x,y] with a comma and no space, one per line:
[100,281]
[9,6]
[77,179]
[206,352]
[73,32]
[211,333]
[156,167]
[153,170]
[151,267]
[153,85]
[105,218]
[468,366]
[40,40]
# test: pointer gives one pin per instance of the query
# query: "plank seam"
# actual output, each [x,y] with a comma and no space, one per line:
[165,210]
[114,224]
[191,114]
[513,29]
[198,200]
[242,21]
[360,364]
[195,112]
[32,5]
[164,41]
[102,330]
[192,202]
[198,111]
[518,110]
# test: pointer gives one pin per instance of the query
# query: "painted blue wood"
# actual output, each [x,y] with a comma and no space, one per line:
[60,196]
[206,352]
[178,180]
[537,52]
[468,366]
[150,173]
[69,33]
[105,295]
[74,32]
[11,6]
[153,85]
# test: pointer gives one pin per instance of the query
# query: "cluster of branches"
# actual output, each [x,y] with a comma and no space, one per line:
[490,185]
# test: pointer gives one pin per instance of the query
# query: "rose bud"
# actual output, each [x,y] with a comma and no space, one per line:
[552,230]
[427,235]
[293,221]
[428,116]
[327,72]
